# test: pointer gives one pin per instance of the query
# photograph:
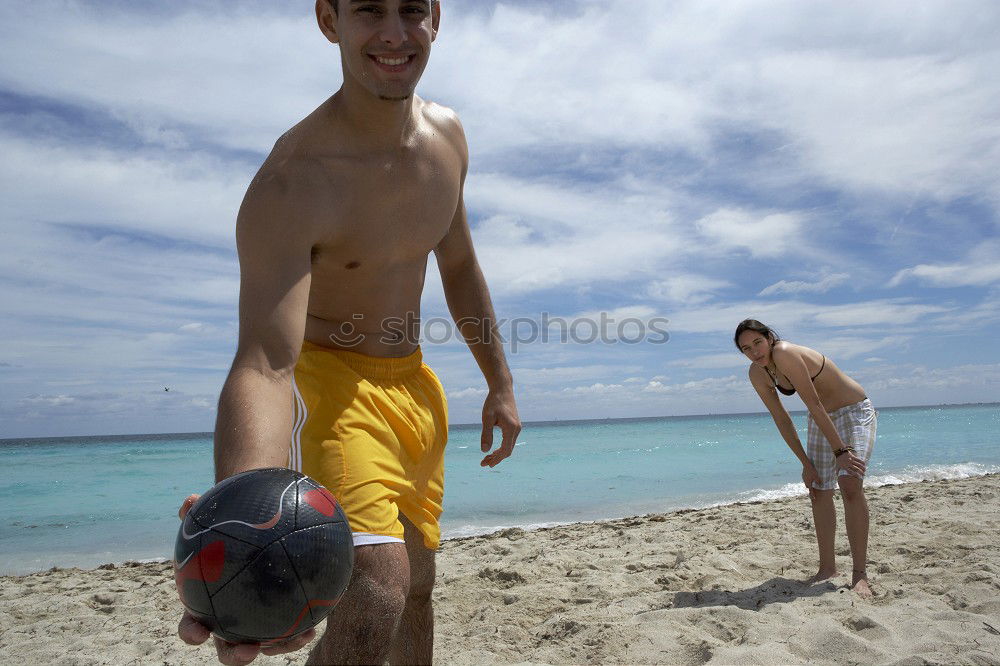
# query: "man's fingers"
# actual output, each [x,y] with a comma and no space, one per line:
[495,458]
[486,441]
[292,645]
[191,631]
[186,506]
[236,654]
[505,450]
[509,440]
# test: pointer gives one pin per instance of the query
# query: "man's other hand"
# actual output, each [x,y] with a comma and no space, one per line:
[499,411]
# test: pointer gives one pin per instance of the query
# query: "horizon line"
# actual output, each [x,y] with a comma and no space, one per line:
[523,423]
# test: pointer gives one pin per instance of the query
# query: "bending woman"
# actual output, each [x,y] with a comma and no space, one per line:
[841,431]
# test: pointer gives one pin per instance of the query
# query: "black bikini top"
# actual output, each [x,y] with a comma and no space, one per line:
[791,391]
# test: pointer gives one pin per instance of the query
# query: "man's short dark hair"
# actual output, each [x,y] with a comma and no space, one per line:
[334,3]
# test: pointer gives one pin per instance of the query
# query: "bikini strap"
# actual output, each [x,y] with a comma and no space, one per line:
[820,369]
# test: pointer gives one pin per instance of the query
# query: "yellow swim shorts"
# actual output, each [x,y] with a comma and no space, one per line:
[373,431]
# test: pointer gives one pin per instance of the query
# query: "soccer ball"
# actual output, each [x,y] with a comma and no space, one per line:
[263,556]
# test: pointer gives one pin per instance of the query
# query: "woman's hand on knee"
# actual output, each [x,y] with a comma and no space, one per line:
[809,477]
[851,464]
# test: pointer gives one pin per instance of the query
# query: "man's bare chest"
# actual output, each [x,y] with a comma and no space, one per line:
[385,212]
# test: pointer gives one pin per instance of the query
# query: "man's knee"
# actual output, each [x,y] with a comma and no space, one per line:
[362,625]
[420,591]
[422,574]
[422,566]
[381,580]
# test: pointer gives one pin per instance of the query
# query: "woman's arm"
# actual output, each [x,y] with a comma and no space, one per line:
[793,366]
[770,398]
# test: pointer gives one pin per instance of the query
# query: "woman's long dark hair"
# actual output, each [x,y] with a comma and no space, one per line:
[757,327]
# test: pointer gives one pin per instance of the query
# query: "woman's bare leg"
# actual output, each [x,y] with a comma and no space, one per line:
[825,520]
[856,516]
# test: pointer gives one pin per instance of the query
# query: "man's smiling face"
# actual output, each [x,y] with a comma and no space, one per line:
[384,44]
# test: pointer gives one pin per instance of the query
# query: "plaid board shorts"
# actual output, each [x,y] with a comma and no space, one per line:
[856,426]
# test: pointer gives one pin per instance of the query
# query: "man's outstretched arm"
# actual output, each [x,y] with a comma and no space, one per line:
[470,306]
[254,423]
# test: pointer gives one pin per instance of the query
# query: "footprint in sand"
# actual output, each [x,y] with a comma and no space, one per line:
[867,628]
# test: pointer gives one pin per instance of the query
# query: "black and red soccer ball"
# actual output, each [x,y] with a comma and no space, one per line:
[263,556]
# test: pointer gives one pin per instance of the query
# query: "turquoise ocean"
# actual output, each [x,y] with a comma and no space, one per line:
[85,501]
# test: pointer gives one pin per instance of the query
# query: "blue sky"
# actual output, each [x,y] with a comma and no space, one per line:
[827,167]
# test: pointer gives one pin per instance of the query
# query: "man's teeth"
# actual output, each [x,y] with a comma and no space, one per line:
[392,62]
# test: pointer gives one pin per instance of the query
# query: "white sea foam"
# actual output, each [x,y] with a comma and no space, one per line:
[153,560]
[787,490]
[911,474]
[479,530]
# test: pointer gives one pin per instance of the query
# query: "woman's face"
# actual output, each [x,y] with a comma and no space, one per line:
[756,346]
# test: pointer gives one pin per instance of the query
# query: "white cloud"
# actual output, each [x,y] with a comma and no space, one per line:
[725,360]
[786,315]
[851,347]
[540,236]
[941,380]
[162,72]
[555,97]
[761,234]
[874,313]
[950,275]
[799,287]
[597,388]
[725,384]
[467,393]
[192,197]
[865,97]
[556,376]
[47,401]
[981,268]
[686,289]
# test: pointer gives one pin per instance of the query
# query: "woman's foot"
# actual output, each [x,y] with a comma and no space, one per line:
[823,574]
[860,584]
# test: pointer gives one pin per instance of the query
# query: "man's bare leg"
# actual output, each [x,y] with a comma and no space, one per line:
[414,640]
[361,627]
[825,520]
[856,516]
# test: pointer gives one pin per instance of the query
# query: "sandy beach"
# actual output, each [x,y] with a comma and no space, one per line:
[717,585]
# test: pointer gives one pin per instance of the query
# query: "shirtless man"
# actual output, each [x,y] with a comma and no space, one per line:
[333,237]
